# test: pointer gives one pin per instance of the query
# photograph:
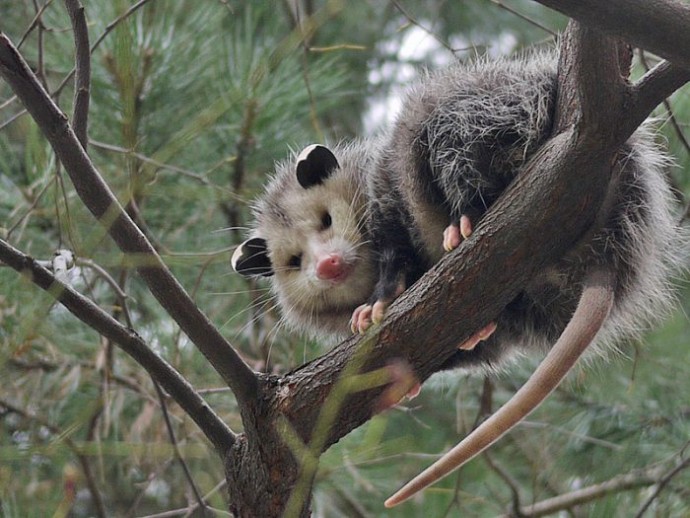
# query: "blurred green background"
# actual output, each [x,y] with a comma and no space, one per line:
[191,103]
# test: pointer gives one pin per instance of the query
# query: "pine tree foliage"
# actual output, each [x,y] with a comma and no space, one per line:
[191,103]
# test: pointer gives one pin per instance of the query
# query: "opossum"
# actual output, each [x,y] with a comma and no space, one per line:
[344,230]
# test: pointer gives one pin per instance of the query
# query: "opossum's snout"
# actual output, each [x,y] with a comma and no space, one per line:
[333,267]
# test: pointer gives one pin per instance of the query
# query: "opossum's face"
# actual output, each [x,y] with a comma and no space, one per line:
[310,239]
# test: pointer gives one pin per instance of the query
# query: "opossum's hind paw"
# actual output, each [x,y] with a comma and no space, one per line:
[403,384]
[481,335]
[456,232]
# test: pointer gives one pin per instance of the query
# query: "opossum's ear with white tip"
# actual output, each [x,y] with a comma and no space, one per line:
[251,258]
[314,164]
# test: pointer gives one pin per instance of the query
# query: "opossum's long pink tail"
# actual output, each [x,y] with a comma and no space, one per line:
[591,312]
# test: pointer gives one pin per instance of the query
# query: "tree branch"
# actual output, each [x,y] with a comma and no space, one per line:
[654,87]
[617,484]
[98,198]
[128,340]
[660,26]
[665,479]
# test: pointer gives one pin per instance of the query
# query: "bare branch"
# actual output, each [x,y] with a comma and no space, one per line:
[109,28]
[617,484]
[672,117]
[176,448]
[657,25]
[128,340]
[82,83]
[524,17]
[100,200]
[654,87]
[665,479]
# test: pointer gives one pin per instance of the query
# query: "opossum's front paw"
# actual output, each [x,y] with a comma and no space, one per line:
[368,314]
[455,233]
[361,318]
[481,335]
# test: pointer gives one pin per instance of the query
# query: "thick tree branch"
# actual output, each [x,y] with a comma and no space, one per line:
[130,342]
[98,198]
[660,26]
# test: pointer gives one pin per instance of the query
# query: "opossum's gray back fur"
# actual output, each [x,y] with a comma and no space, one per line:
[463,134]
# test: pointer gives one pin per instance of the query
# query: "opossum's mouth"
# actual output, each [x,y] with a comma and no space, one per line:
[342,275]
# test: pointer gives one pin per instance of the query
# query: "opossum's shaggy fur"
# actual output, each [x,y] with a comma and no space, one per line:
[461,137]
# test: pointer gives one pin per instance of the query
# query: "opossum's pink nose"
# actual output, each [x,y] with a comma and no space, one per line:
[332,268]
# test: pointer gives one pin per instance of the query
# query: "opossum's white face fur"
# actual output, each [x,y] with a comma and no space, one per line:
[310,238]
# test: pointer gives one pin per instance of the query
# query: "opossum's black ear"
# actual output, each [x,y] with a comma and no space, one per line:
[314,164]
[251,258]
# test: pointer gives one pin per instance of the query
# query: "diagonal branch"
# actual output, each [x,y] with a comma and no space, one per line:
[654,87]
[626,482]
[100,200]
[130,342]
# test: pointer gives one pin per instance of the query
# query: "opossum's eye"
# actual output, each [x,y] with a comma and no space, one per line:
[326,221]
[295,262]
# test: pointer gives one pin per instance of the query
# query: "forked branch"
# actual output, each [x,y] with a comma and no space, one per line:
[99,199]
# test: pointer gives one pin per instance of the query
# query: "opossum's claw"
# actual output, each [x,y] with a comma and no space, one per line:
[455,233]
[361,318]
[451,237]
[378,311]
[368,314]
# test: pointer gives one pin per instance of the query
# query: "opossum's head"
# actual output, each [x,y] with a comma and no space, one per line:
[310,238]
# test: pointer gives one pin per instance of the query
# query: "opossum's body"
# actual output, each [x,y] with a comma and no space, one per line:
[461,136]
[346,231]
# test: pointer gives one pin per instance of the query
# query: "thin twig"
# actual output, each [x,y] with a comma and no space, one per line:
[671,115]
[524,17]
[82,83]
[34,22]
[121,294]
[662,484]
[416,23]
[617,484]
[176,449]
[140,156]
[108,29]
